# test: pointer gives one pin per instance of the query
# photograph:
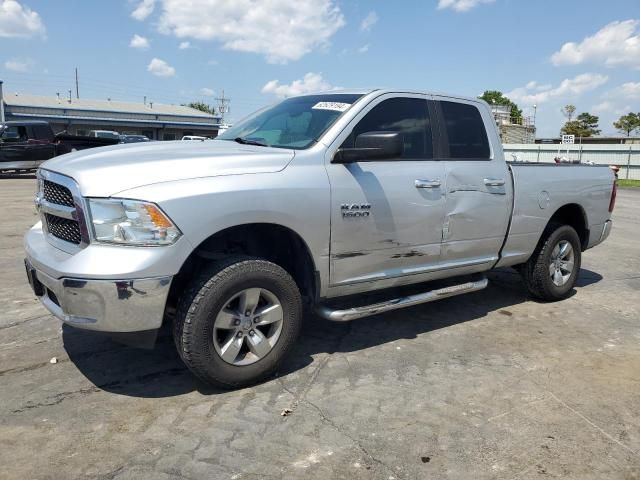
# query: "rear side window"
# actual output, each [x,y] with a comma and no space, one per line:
[42,132]
[409,116]
[466,134]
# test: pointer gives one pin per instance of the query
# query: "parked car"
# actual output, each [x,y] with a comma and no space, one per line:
[133,138]
[304,205]
[104,134]
[194,137]
[25,145]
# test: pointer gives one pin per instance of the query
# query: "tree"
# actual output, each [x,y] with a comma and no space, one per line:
[203,107]
[628,123]
[495,97]
[585,125]
[568,111]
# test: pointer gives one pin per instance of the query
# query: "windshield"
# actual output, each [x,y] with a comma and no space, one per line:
[293,123]
[105,134]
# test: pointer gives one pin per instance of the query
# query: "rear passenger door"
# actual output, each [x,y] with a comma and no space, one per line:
[41,147]
[478,185]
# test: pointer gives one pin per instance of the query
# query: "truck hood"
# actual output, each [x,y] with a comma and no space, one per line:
[105,171]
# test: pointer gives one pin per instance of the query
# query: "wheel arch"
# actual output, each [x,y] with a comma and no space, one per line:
[574,215]
[269,241]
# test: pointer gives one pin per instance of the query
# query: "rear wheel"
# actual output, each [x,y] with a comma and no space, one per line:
[237,321]
[551,272]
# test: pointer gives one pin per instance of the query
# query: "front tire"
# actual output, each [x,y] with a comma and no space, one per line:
[237,321]
[551,272]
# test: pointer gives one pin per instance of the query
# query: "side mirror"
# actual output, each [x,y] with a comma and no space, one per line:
[372,146]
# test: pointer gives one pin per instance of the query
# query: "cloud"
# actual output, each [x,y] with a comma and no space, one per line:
[311,82]
[281,30]
[207,92]
[184,45]
[625,92]
[631,90]
[143,10]
[19,65]
[19,21]
[369,21]
[533,93]
[161,68]
[141,43]
[461,5]
[602,107]
[613,45]
[364,48]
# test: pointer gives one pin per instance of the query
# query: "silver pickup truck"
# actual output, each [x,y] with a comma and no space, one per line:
[305,205]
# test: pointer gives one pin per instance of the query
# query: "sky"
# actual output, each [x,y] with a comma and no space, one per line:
[547,53]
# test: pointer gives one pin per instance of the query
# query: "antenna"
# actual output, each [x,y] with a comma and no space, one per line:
[223,106]
[77,89]
[69,95]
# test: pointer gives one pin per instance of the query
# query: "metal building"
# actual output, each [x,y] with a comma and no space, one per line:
[77,116]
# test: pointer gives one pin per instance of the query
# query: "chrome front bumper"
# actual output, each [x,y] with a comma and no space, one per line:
[103,305]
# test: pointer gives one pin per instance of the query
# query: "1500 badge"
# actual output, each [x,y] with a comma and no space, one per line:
[355,209]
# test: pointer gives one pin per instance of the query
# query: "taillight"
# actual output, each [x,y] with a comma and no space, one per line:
[614,191]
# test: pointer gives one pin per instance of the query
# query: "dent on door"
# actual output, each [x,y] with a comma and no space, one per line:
[476,217]
[383,226]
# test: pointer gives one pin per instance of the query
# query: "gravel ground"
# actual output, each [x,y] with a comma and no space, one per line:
[489,385]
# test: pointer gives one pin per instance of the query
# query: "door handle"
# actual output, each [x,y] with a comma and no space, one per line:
[494,182]
[427,183]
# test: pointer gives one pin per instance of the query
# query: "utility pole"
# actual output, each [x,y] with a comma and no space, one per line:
[2,103]
[77,89]
[69,95]
[223,106]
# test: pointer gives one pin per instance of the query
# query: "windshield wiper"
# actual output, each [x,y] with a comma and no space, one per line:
[246,141]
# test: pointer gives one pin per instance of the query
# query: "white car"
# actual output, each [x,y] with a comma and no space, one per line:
[104,134]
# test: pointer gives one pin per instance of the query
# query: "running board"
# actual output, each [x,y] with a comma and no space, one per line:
[402,302]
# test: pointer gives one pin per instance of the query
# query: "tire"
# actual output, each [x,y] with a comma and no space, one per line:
[224,347]
[550,274]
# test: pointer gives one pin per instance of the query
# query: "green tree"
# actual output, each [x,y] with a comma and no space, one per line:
[203,107]
[628,123]
[568,111]
[495,97]
[585,125]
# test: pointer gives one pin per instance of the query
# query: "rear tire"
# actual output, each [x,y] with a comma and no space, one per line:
[551,272]
[225,346]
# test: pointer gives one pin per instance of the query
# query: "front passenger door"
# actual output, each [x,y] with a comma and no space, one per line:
[396,231]
[14,147]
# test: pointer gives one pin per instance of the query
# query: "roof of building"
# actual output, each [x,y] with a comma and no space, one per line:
[38,101]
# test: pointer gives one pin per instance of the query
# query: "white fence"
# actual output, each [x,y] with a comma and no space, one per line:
[627,157]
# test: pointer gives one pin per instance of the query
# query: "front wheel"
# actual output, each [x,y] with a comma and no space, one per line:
[237,321]
[551,272]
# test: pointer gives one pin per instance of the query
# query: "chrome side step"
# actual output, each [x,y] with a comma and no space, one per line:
[402,302]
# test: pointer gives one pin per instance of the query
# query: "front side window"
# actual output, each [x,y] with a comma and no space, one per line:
[14,134]
[466,134]
[293,123]
[409,116]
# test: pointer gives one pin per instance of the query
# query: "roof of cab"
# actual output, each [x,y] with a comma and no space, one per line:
[382,91]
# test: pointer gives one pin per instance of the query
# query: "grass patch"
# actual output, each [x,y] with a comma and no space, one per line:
[628,183]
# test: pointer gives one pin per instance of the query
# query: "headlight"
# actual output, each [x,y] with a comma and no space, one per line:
[131,222]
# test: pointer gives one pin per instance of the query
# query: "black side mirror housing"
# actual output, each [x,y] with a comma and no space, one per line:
[372,146]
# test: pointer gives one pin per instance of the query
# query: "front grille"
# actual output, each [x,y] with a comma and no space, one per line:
[64,229]
[56,193]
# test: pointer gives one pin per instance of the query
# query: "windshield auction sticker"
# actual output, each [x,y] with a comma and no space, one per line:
[337,106]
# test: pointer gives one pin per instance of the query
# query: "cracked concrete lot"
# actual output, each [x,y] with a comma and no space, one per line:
[490,385]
